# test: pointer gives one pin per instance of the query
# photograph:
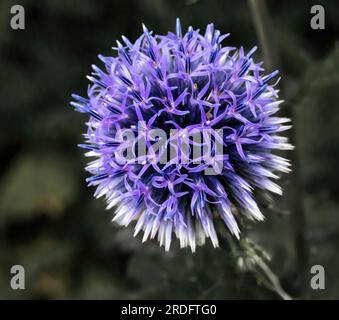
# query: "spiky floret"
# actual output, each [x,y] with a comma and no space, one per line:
[183,81]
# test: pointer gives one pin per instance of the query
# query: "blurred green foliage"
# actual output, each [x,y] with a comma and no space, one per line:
[49,222]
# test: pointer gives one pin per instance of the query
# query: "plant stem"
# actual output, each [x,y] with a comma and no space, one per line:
[265,32]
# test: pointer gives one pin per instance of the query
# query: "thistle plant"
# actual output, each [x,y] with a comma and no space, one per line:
[183,83]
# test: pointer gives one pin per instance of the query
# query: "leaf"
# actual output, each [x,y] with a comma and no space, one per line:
[36,184]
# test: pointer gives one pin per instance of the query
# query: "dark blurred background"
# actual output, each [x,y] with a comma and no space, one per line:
[51,224]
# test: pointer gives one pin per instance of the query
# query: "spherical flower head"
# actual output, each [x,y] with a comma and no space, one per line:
[196,120]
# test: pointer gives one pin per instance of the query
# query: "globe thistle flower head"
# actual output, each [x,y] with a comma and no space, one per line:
[183,85]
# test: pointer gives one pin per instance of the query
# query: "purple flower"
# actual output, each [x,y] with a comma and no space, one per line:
[183,84]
